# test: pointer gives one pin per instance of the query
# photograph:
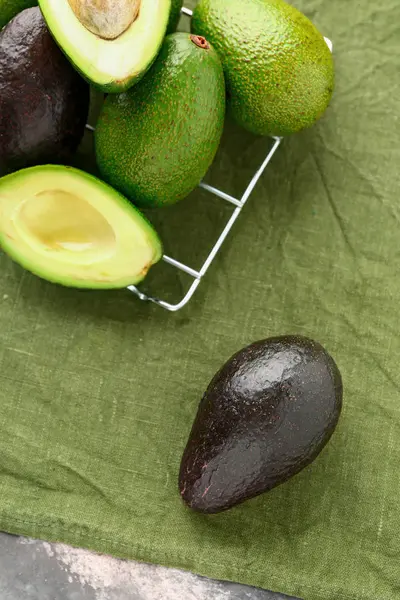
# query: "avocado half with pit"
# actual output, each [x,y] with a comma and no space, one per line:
[71,228]
[112,43]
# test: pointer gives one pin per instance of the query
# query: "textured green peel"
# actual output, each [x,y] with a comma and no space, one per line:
[156,142]
[278,68]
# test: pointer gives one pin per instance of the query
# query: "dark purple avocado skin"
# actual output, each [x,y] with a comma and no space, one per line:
[265,416]
[44,103]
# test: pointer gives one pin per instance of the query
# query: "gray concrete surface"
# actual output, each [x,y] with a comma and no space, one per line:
[36,570]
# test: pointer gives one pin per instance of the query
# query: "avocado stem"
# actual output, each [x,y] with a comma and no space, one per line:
[200,41]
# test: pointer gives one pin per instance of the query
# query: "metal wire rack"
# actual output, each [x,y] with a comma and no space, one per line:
[198,275]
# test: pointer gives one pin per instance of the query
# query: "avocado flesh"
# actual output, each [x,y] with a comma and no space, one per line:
[112,65]
[279,70]
[70,228]
[265,416]
[156,142]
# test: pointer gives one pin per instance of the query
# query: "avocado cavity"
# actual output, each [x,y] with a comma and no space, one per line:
[60,220]
[107,19]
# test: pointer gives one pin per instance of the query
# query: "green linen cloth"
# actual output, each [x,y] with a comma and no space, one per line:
[98,390]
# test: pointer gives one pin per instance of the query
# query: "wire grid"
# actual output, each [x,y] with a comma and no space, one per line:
[198,275]
[238,203]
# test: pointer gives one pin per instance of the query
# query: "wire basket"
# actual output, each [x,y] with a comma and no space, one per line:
[197,275]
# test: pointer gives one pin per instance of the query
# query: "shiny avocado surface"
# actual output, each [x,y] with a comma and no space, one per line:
[44,103]
[265,416]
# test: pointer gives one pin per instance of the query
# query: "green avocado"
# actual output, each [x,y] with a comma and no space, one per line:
[72,229]
[266,415]
[44,103]
[10,8]
[278,67]
[174,15]
[112,43]
[156,142]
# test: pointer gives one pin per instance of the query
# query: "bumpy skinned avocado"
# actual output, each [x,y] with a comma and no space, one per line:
[10,8]
[44,103]
[278,68]
[71,228]
[174,15]
[111,42]
[156,142]
[266,414]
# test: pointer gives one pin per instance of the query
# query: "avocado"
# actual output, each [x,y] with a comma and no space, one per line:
[156,142]
[10,8]
[278,67]
[265,416]
[112,43]
[71,228]
[44,103]
[174,15]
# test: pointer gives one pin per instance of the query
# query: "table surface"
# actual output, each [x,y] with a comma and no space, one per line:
[37,570]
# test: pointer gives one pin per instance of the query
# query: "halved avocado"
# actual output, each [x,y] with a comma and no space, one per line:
[71,228]
[112,43]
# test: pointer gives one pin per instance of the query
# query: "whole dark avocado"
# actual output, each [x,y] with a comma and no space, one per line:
[44,103]
[265,416]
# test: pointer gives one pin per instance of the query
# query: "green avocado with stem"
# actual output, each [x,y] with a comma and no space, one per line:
[112,43]
[72,229]
[279,70]
[156,142]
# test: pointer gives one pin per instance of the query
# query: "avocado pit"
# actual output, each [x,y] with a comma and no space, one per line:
[108,19]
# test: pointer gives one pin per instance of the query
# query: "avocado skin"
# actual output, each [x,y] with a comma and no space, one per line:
[279,70]
[156,142]
[176,7]
[265,416]
[10,8]
[44,103]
